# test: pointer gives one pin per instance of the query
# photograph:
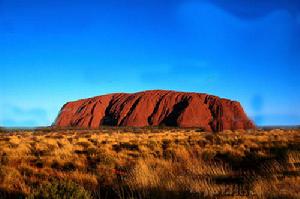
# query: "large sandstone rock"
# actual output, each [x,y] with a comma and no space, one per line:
[155,108]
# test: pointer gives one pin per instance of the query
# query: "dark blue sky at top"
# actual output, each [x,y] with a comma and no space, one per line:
[56,51]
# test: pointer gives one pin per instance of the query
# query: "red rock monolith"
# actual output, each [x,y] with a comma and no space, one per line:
[155,108]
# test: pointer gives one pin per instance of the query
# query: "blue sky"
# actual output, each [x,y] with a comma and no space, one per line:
[53,51]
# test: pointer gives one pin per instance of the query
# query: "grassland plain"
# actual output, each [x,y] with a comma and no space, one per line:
[149,163]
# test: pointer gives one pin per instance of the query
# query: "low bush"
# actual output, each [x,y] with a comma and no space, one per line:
[57,189]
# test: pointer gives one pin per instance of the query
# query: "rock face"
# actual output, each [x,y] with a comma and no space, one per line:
[155,108]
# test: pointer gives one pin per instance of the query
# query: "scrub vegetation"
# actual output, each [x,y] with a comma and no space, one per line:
[149,163]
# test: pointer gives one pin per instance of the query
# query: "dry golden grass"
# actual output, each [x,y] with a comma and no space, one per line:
[150,163]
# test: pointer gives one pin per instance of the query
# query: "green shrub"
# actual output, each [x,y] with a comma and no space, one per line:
[60,190]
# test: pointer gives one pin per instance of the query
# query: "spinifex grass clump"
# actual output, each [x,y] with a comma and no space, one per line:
[163,163]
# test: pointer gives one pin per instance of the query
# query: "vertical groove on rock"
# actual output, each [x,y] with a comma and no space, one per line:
[218,119]
[77,122]
[83,106]
[150,118]
[131,110]
[171,119]
[123,108]
[216,111]
[108,118]
[92,114]
[79,110]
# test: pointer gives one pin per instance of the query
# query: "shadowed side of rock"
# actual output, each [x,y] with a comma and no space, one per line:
[155,108]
